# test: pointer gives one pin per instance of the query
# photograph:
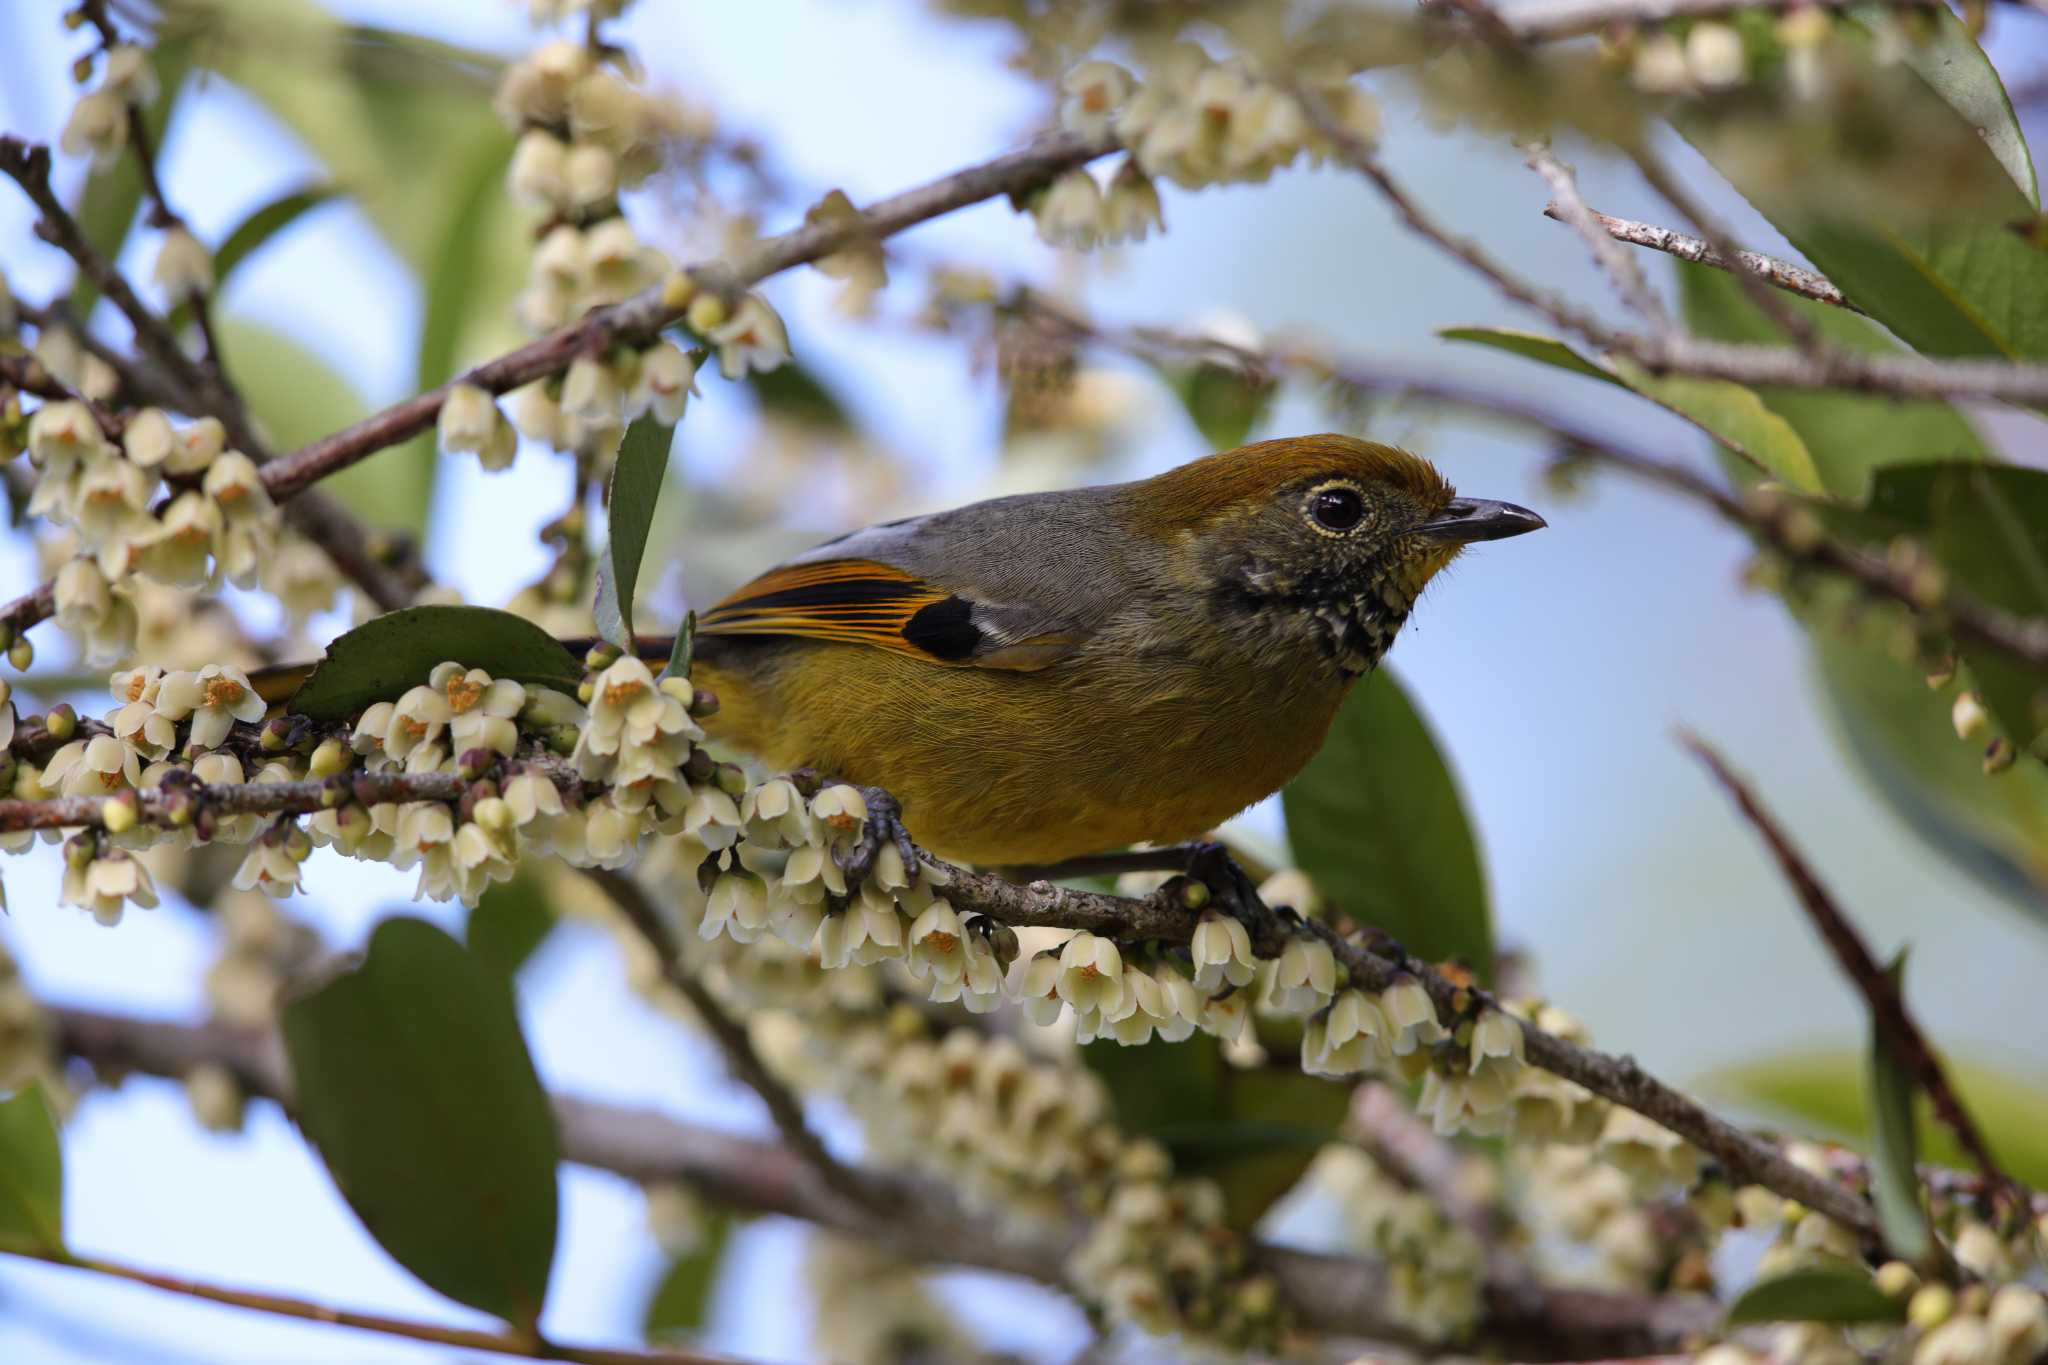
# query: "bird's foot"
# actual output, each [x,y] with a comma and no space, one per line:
[1232,891]
[882,829]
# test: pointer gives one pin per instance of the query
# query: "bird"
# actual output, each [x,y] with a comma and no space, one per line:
[1043,676]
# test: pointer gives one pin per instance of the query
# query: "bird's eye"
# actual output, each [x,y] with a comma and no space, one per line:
[1336,508]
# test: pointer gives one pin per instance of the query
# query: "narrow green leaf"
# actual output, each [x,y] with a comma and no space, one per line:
[1825,1092]
[1895,1144]
[1376,820]
[106,209]
[414,1083]
[1224,403]
[680,1306]
[1815,1296]
[253,232]
[510,922]
[1730,413]
[1956,68]
[629,502]
[381,658]
[679,652]
[31,1173]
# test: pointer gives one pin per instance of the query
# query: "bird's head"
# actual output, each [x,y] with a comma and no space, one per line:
[1327,537]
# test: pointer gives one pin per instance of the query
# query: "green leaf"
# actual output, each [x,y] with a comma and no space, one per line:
[31,1174]
[1223,402]
[681,1303]
[679,652]
[1928,246]
[1955,68]
[106,210]
[1815,1295]
[252,233]
[510,922]
[1253,1131]
[297,397]
[1730,413]
[415,1085]
[794,393]
[1848,435]
[1826,1091]
[1376,820]
[381,658]
[1895,1143]
[635,486]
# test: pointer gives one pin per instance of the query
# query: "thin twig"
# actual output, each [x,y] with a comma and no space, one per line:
[1619,265]
[1337,1295]
[731,1037]
[1755,284]
[1901,1035]
[637,320]
[27,374]
[531,1346]
[1779,274]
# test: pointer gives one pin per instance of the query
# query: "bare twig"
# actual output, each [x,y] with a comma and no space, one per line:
[1779,274]
[529,1345]
[1341,1296]
[1901,1035]
[638,319]
[1620,265]
[731,1037]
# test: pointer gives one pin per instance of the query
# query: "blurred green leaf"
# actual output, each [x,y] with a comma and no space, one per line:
[681,1303]
[297,397]
[637,474]
[1846,1295]
[1848,435]
[1730,413]
[1826,1090]
[1376,820]
[106,210]
[1942,266]
[252,233]
[793,392]
[414,1083]
[381,658]
[1223,402]
[31,1173]
[1253,1131]
[510,922]
[1895,1144]
[681,648]
[1955,68]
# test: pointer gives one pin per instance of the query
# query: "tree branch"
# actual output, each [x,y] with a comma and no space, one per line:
[1339,1296]
[1543,21]
[530,1346]
[1780,274]
[1896,1026]
[1620,265]
[731,1037]
[638,319]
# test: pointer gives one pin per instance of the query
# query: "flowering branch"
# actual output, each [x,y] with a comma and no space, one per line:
[1902,1037]
[639,318]
[29,375]
[1341,1296]
[1780,274]
[531,1346]
[1544,21]
[731,1037]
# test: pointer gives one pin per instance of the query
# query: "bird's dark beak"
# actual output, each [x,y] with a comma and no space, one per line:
[1465,520]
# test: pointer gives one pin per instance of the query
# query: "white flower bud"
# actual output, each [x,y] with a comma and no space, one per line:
[1660,66]
[1069,214]
[98,127]
[665,384]
[148,438]
[539,171]
[1714,56]
[469,419]
[1091,94]
[129,75]
[591,176]
[184,269]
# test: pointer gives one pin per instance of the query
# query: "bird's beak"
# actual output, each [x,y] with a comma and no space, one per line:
[1465,520]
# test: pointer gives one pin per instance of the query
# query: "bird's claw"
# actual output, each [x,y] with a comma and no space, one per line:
[1231,889]
[883,827]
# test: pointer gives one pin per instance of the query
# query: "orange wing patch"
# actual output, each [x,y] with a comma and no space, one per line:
[854,601]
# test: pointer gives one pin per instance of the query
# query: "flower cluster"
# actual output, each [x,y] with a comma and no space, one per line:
[1436,1269]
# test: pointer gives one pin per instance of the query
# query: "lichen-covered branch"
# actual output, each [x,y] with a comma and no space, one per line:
[1780,274]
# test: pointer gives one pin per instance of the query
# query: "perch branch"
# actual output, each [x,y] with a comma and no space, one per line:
[1780,274]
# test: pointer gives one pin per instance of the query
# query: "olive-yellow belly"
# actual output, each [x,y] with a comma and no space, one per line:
[1099,751]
